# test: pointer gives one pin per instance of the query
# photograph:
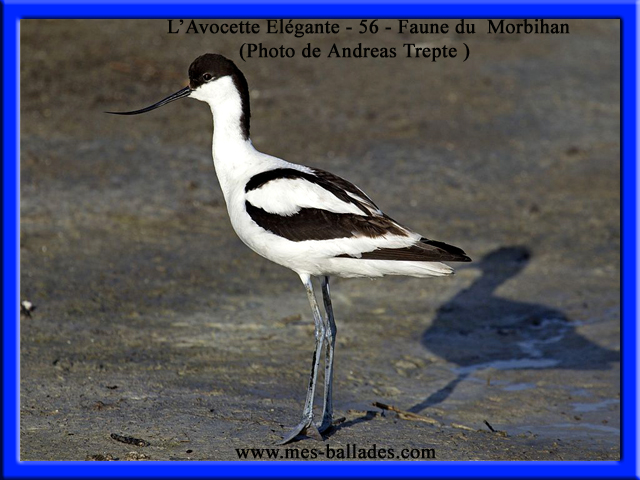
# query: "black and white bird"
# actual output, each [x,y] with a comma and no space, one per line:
[303,218]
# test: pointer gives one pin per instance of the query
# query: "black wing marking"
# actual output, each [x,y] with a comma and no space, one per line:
[345,185]
[335,188]
[316,224]
[424,251]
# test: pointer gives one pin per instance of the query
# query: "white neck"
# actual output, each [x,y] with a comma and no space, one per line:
[227,129]
[233,154]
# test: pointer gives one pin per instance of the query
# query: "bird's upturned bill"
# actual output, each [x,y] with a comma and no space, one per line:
[185,92]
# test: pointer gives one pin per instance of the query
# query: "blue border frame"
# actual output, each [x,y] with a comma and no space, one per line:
[13,11]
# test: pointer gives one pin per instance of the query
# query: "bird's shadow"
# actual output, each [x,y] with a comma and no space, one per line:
[478,329]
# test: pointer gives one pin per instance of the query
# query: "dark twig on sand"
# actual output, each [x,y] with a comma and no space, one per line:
[130,440]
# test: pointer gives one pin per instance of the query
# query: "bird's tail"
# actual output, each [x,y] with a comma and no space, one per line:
[353,267]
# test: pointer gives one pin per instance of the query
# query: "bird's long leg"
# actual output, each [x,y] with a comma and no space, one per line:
[330,335]
[307,414]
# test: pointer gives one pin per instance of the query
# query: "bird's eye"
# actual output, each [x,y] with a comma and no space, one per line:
[207,76]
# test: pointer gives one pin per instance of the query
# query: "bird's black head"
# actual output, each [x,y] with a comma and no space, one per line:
[210,67]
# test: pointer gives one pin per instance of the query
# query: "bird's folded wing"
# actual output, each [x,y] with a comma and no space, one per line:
[311,204]
[314,205]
